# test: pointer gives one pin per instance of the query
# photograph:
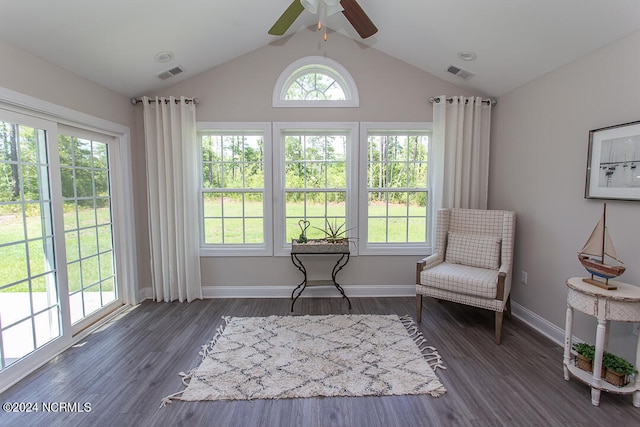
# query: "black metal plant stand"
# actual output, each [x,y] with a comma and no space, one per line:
[342,261]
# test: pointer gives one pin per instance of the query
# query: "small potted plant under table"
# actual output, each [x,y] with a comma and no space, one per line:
[615,369]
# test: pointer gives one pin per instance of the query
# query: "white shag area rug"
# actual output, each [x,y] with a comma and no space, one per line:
[279,357]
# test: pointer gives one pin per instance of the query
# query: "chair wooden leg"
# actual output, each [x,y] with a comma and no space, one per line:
[498,326]
[508,307]
[419,308]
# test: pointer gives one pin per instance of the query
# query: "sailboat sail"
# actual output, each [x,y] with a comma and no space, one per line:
[593,247]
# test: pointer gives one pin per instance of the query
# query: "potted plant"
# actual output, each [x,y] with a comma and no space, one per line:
[585,355]
[334,240]
[615,369]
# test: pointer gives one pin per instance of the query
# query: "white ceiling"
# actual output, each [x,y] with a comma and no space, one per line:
[113,42]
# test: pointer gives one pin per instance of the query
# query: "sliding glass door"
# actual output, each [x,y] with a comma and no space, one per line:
[57,249]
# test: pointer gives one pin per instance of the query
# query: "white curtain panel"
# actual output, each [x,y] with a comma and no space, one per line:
[172,188]
[461,149]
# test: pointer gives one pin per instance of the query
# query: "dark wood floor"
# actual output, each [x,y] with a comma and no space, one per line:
[126,368]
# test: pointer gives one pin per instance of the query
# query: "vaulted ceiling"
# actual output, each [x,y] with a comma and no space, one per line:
[114,42]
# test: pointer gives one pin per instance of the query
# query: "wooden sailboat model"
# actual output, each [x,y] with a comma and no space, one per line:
[593,255]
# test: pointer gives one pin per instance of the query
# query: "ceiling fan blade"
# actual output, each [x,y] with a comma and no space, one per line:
[288,17]
[358,19]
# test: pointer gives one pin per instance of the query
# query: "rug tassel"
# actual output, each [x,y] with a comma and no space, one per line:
[208,347]
[429,353]
[167,400]
[205,351]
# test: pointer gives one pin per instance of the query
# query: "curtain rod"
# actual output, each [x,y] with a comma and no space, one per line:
[196,101]
[490,101]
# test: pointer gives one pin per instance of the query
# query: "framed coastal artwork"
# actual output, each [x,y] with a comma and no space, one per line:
[613,163]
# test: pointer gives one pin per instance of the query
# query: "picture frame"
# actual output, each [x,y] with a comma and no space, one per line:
[613,163]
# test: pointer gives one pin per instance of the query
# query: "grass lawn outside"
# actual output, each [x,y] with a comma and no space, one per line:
[398,224]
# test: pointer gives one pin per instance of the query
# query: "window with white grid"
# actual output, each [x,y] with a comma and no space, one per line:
[394,188]
[315,172]
[235,165]
[315,81]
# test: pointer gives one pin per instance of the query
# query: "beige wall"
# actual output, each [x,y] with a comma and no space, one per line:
[31,75]
[241,90]
[538,160]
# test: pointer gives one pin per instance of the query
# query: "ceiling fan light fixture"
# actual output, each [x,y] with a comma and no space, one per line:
[349,8]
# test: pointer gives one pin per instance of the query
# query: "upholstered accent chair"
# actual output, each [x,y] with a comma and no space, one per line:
[472,261]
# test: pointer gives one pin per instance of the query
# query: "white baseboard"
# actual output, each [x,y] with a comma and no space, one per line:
[284,291]
[543,326]
[546,328]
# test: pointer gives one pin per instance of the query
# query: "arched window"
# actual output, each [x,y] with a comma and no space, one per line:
[315,81]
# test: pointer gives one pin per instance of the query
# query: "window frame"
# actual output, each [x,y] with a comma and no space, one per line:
[397,248]
[239,249]
[282,245]
[310,64]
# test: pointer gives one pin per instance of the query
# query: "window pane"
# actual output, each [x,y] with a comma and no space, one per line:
[109,293]
[73,272]
[16,297]
[14,264]
[377,230]
[106,265]
[395,161]
[88,242]
[40,256]
[315,86]
[418,203]
[253,204]
[82,155]
[254,175]
[336,175]
[76,307]
[84,183]
[12,228]
[68,182]
[44,292]
[254,230]
[70,215]
[417,229]
[47,326]
[92,299]
[105,241]
[17,341]
[86,213]
[213,231]
[232,162]
[212,204]
[89,268]
[397,230]
[233,230]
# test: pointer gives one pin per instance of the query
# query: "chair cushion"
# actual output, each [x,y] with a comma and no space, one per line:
[462,279]
[474,250]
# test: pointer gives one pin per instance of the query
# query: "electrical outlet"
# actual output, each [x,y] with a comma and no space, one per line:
[523,277]
[636,328]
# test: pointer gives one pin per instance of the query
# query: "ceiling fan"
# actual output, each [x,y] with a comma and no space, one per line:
[349,8]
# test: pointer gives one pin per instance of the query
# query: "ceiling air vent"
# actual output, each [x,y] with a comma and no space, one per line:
[459,72]
[170,73]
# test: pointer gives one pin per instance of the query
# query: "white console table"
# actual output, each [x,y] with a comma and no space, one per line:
[623,305]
